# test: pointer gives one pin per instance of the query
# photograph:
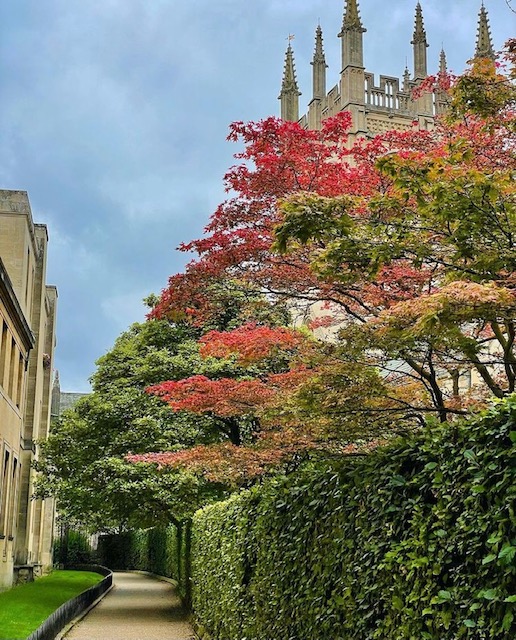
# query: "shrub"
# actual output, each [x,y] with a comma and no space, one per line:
[154,550]
[415,542]
[73,548]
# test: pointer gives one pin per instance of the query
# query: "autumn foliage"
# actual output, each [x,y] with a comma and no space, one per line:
[250,343]
[406,245]
[225,397]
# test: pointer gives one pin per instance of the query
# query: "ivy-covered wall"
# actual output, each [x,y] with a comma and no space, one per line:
[415,542]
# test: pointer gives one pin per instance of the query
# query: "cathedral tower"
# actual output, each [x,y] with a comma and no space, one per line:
[377,104]
[352,78]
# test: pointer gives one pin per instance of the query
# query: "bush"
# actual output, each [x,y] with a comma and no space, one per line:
[73,548]
[414,542]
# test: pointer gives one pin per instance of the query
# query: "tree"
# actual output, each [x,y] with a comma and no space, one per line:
[94,483]
[406,244]
[374,231]
[251,408]
[432,252]
[236,250]
[83,461]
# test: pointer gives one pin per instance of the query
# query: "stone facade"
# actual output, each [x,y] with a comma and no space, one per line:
[375,106]
[27,324]
[62,400]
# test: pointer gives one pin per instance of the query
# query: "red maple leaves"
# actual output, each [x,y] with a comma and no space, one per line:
[250,343]
[226,397]
[399,234]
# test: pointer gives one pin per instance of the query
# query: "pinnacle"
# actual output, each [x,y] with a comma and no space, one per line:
[289,84]
[406,80]
[319,49]
[352,21]
[484,48]
[443,66]
[419,27]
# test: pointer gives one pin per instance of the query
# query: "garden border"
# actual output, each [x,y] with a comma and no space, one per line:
[76,607]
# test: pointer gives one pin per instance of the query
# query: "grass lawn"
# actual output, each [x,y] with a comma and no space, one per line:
[25,607]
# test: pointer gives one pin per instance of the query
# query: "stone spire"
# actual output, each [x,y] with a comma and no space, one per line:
[352,17]
[55,408]
[484,43]
[443,66]
[442,99]
[352,38]
[319,67]
[290,93]
[420,45]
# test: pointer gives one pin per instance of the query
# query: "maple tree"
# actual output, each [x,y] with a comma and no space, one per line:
[250,408]
[406,244]
[236,248]
[432,252]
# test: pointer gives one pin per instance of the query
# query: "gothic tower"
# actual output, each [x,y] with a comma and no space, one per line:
[352,78]
[376,104]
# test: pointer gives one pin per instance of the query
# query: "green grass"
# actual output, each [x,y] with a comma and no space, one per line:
[25,607]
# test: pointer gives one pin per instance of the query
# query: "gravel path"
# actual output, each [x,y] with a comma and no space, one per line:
[139,607]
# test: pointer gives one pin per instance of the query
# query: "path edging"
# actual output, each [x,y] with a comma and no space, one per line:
[82,615]
[61,617]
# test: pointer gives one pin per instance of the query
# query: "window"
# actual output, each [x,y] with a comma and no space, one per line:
[27,281]
[13,507]
[3,352]
[19,390]
[12,369]
[5,491]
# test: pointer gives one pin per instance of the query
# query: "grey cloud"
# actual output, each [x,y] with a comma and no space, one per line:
[114,115]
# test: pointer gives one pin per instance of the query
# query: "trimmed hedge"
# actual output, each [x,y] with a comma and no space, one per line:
[155,550]
[414,542]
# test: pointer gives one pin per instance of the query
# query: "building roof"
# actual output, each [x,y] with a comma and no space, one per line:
[69,400]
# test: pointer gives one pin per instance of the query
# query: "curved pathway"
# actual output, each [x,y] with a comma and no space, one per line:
[139,607]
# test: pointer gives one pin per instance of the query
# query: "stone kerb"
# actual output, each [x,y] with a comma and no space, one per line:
[76,606]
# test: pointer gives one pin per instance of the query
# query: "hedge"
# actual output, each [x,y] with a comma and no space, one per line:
[415,542]
[155,550]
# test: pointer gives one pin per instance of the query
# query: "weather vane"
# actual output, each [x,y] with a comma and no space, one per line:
[291,37]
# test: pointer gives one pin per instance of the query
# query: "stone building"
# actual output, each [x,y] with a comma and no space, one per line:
[63,400]
[375,108]
[27,342]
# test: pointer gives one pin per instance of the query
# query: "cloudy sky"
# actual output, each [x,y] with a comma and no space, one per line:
[114,114]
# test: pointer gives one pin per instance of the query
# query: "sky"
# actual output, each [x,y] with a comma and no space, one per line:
[114,116]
